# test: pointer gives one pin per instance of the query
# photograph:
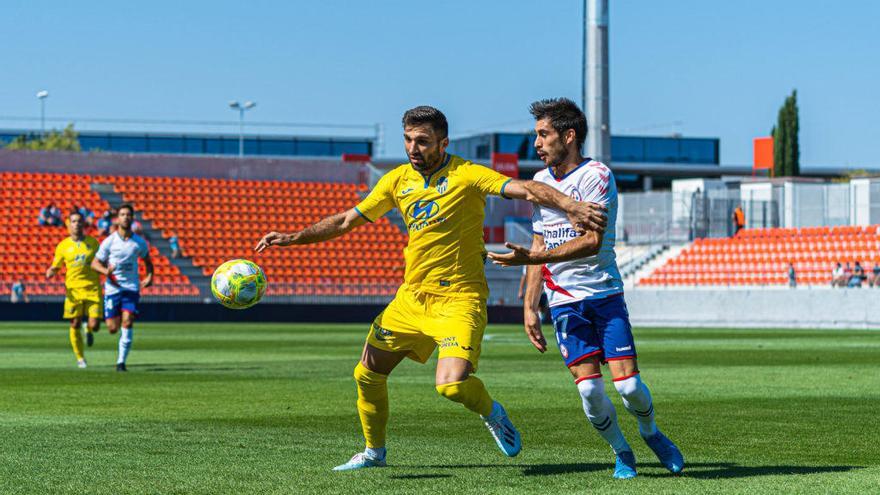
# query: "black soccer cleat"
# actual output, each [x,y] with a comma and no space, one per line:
[120,367]
[90,339]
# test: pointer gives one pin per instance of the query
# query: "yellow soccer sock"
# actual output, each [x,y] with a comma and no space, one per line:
[76,341]
[471,393]
[372,404]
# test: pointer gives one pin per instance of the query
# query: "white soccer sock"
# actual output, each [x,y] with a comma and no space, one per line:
[124,344]
[601,413]
[378,453]
[637,400]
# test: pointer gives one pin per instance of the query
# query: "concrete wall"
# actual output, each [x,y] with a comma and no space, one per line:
[144,164]
[778,308]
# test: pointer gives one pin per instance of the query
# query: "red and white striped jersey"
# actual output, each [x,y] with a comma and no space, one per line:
[594,277]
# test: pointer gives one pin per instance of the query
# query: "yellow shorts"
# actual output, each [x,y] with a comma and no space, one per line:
[83,302]
[419,322]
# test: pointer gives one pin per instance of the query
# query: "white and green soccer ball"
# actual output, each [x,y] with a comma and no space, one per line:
[238,284]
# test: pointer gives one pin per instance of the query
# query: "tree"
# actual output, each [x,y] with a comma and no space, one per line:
[66,140]
[786,149]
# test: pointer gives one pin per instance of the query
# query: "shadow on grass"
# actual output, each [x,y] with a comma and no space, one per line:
[153,368]
[419,476]
[730,470]
[698,470]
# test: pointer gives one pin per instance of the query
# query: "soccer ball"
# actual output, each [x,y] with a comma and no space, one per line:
[238,284]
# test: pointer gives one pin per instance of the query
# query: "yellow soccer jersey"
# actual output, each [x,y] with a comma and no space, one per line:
[444,215]
[77,257]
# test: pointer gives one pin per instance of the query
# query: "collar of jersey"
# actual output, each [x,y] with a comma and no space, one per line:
[428,178]
[586,161]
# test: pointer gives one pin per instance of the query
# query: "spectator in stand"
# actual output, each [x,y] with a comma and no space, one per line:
[792,276]
[874,276]
[739,219]
[858,276]
[847,275]
[175,246]
[50,216]
[87,214]
[19,293]
[106,223]
[138,229]
[837,276]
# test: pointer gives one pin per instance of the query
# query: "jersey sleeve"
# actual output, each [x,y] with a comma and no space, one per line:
[58,260]
[486,180]
[143,249]
[537,221]
[103,254]
[595,185]
[380,200]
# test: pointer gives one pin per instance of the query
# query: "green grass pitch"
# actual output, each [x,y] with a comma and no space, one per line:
[260,408]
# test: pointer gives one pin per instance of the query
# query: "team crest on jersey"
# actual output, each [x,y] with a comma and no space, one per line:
[380,333]
[442,185]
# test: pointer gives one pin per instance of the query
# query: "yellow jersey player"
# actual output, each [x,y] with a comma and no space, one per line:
[83,298]
[442,302]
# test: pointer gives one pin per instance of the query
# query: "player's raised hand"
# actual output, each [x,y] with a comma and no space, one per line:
[588,216]
[273,239]
[517,257]
[532,324]
[51,272]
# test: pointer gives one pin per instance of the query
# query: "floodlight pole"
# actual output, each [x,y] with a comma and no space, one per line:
[595,80]
[42,95]
[241,109]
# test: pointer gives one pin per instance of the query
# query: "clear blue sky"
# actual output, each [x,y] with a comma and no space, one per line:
[695,67]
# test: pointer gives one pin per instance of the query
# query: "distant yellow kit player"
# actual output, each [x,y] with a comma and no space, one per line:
[83,285]
[442,302]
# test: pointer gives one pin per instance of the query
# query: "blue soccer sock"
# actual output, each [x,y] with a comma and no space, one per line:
[637,400]
[601,413]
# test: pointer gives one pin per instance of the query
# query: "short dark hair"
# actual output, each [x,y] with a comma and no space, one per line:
[124,206]
[75,212]
[427,115]
[563,115]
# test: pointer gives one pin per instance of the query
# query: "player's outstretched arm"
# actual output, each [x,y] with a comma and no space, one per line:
[584,216]
[532,300]
[51,272]
[326,229]
[579,247]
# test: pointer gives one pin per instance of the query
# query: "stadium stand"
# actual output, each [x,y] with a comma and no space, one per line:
[221,219]
[761,256]
[26,249]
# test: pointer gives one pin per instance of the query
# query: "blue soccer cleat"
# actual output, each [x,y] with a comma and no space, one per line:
[625,466]
[666,451]
[360,461]
[503,431]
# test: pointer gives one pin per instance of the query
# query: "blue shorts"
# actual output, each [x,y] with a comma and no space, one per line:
[122,301]
[598,327]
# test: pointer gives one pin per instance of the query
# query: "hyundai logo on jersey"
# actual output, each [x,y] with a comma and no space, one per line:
[423,210]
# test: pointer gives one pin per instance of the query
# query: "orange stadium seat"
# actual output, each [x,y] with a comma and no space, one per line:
[211,230]
[761,256]
[215,220]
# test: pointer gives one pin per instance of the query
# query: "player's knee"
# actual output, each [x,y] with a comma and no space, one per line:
[592,391]
[451,391]
[627,388]
[365,377]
